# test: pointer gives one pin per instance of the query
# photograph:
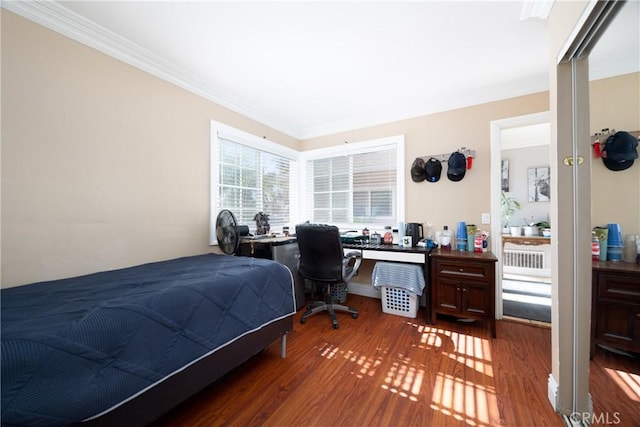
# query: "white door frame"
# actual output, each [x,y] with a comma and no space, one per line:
[496,128]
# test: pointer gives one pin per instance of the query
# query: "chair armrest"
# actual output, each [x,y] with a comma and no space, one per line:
[355,255]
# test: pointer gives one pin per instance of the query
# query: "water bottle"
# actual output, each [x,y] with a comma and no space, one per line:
[445,239]
[429,237]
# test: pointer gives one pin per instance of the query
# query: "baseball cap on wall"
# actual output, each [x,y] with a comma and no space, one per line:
[433,169]
[457,166]
[417,170]
[619,151]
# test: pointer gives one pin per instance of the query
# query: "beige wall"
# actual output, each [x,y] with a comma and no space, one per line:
[103,165]
[446,202]
[615,196]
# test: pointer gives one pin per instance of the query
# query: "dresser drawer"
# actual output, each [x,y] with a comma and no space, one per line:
[463,270]
[619,286]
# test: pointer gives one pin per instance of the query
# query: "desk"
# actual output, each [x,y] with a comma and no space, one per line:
[281,249]
[413,255]
[416,255]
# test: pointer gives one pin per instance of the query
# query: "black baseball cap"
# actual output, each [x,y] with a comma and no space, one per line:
[619,151]
[432,169]
[457,166]
[417,170]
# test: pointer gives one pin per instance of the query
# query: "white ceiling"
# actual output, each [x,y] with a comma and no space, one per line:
[314,68]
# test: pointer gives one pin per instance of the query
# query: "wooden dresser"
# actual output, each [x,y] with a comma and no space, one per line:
[615,309]
[463,284]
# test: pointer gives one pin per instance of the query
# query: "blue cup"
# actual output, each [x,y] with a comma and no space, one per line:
[614,237]
[461,231]
[461,244]
[614,253]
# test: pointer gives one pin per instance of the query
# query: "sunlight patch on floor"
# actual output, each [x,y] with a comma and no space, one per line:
[475,404]
[465,401]
[367,364]
[329,351]
[628,382]
[404,379]
[473,352]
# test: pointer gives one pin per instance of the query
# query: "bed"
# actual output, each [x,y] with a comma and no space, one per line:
[122,347]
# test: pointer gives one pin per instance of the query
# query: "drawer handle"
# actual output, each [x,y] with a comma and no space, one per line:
[461,270]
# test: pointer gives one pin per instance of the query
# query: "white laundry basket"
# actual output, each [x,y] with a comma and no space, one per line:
[399,302]
[399,284]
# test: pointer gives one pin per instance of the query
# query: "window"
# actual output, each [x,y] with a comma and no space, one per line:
[356,185]
[251,175]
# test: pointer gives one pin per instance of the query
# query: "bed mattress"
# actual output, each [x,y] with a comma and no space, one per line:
[75,348]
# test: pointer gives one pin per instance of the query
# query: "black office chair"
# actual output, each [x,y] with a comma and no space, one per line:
[323,262]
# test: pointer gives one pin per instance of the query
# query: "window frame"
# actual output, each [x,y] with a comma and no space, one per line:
[363,147]
[220,130]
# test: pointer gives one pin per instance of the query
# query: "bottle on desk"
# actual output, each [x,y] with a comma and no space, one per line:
[445,239]
[430,236]
[387,237]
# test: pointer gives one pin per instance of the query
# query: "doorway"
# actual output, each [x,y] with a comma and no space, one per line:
[520,146]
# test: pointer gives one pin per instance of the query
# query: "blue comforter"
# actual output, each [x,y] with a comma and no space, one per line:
[74,348]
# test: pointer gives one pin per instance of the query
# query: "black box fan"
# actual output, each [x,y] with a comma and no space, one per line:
[228,232]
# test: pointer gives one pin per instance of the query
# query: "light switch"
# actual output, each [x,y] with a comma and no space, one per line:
[486,218]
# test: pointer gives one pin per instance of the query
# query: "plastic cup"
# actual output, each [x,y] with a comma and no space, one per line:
[603,250]
[461,231]
[615,235]
[614,253]
[470,241]
[629,253]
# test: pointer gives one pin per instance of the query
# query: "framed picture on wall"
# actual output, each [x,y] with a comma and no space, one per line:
[504,177]
[539,184]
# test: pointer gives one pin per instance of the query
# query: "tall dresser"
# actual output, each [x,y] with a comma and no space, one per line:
[615,309]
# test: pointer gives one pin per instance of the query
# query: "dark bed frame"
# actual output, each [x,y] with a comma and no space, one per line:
[177,388]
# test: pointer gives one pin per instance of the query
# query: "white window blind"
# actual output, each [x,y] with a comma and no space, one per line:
[251,175]
[356,189]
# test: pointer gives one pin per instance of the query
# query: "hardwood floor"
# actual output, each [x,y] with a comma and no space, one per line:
[386,370]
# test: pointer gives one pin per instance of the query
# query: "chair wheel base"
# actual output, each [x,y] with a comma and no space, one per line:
[331,308]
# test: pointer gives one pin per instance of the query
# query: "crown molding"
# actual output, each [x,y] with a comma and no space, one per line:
[57,18]
[70,24]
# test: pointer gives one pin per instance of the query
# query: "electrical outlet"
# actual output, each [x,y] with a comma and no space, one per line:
[486,218]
